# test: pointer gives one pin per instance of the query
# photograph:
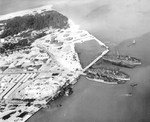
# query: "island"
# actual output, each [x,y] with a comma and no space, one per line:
[40,58]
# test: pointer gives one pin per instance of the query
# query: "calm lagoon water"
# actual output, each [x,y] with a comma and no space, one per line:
[116,23]
[97,102]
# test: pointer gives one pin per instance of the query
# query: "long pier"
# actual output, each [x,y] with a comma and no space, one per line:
[21,79]
[94,61]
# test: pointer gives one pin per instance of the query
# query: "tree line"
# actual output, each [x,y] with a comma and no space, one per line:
[36,22]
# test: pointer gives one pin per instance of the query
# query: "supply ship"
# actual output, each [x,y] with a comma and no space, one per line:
[39,60]
[107,75]
[122,60]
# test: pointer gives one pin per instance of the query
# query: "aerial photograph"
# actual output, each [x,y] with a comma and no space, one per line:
[74,61]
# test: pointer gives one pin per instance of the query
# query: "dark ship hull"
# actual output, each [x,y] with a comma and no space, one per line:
[124,61]
[105,80]
[108,76]
[109,72]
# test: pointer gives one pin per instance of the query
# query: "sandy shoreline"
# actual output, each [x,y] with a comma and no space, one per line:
[93,101]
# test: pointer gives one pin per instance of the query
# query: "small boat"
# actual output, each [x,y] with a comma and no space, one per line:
[122,60]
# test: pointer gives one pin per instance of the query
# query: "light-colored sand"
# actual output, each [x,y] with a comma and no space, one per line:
[92,101]
[95,102]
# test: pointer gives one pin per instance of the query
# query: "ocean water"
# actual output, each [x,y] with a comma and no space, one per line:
[116,23]
[97,102]
[110,21]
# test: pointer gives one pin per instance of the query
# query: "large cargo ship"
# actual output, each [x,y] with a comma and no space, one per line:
[122,60]
[40,59]
[107,75]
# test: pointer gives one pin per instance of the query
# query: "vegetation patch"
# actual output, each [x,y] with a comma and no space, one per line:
[36,22]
